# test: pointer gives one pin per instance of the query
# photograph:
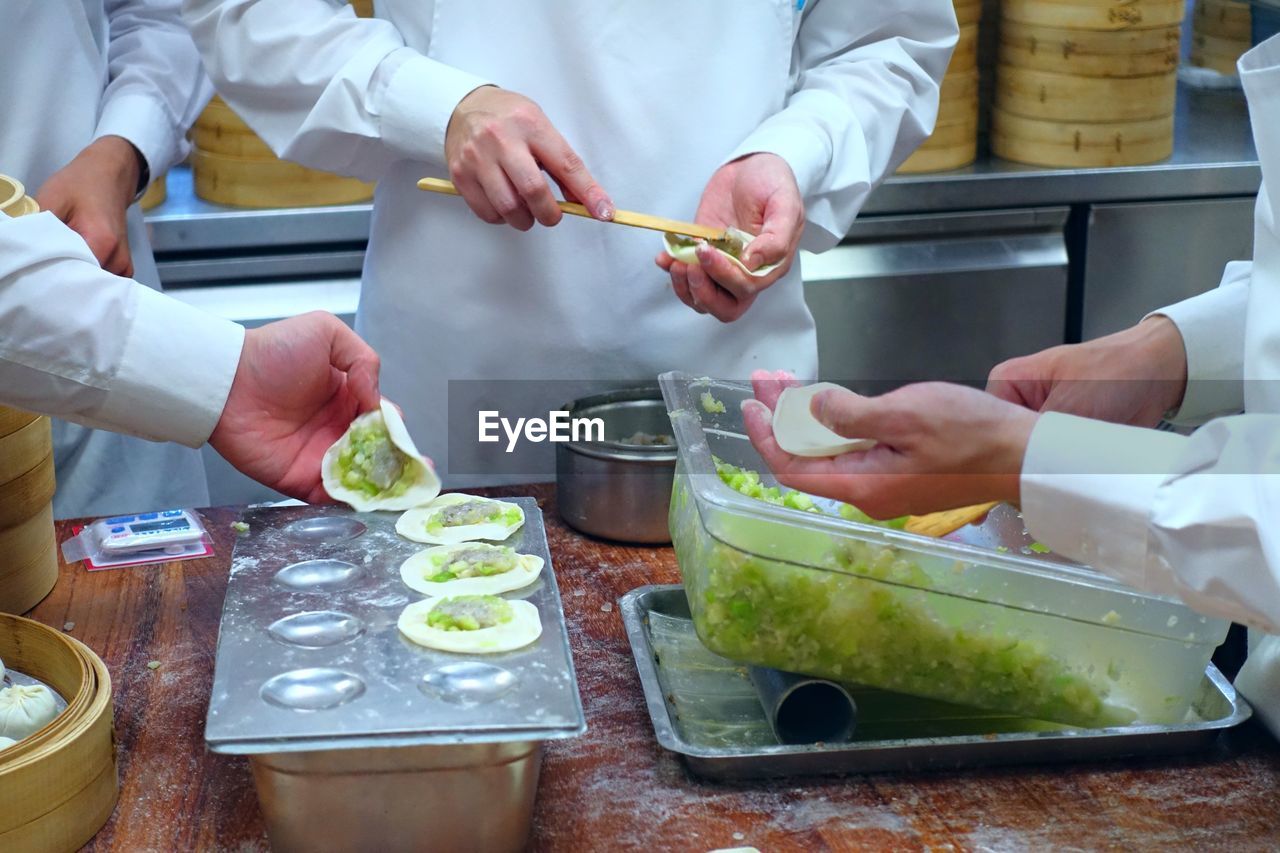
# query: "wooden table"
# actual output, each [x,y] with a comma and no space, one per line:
[614,788]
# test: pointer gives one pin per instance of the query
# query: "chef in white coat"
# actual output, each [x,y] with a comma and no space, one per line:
[1194,516]
[773,115]
[129,359]
[96,95]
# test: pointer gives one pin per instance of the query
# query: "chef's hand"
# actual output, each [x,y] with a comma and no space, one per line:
[1132,377]
[92,193]
[757,194]
[497,146]
[300,383]
[940,447]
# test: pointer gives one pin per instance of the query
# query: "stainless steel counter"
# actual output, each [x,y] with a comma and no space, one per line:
[1213,157]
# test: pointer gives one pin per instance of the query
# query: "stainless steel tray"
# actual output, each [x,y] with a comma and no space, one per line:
[705,709]
[342,676]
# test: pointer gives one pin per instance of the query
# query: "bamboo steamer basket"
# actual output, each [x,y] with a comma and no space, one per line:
[28,549]
[1123,53]
[1224,19]
[12,420]
[155,195]
[1080,144]
[965,56]
[364,8]
[246,182]
[1217,53]
[1095,14]
[219,130]
[60,784]
[22,448]
[968,12]
[932,157]
[1050,96]
[26,494]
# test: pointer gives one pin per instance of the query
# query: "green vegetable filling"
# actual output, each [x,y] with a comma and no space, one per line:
[748,483]
[874,617]
[371,464]
[711,405]
[473,512]
[480,561]
[470,613]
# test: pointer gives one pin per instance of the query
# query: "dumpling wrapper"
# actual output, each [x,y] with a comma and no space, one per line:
[6,742]
[413,524]
[799,433]
[686,251]
[524,628]
[423,490]
[25,709]
[418,570]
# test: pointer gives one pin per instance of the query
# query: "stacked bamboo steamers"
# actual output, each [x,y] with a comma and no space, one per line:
[58,785]
[1087,83]
[28,548]
[954,142]
[1221,33]
[231,165]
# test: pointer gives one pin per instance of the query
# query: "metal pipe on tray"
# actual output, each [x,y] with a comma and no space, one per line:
[803,710]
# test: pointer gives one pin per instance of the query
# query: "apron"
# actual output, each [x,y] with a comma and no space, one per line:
[468,315]
[50,94]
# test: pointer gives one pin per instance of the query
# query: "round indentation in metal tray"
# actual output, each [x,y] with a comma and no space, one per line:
[316,629]
[318,575]
[468,683]
[312,689]
[325,529]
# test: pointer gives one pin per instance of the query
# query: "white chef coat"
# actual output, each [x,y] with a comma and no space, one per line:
[74,71]
[655,96]
[1197,516]
[127,358]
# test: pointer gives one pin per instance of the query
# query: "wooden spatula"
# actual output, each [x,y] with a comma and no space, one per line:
[620,217]
[939,524]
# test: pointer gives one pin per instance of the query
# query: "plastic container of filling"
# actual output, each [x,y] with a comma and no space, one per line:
[978,618]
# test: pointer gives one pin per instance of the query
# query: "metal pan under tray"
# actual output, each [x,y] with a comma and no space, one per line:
[705,709]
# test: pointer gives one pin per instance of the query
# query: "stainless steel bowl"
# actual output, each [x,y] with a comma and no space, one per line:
[617,489]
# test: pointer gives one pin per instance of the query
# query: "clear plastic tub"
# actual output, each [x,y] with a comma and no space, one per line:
[977,618]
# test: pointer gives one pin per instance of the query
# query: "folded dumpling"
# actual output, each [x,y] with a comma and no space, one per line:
[375,465]
[25,709]
[685,249]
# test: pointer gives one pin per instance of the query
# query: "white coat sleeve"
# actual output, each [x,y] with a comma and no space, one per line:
[82,344]
[156,86]
[865,87]
[325,88]
[1212,326]
[1191,516]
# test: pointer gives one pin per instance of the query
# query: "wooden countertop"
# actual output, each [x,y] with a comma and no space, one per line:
[615,788]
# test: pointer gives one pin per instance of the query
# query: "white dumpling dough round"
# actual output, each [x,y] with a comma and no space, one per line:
[799,433]
[2,670]
[685,250]
[523,628]
[393,462]
[428,523]
[419,570]
[25,709]
[6,742]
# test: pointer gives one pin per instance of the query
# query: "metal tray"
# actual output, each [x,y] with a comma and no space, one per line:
[349,680]
[705,709]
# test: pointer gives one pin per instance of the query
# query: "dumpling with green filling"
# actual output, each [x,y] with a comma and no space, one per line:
[454,518]
[375,465]
[471,624]
[685,249]
[470,568]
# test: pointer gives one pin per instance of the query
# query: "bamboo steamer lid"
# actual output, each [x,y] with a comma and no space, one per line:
[61,782]
[244,182]
[27,494]
[1224,19]
[155,195]
[968,12]
[23,449]
[1095,14]
[1067,97]
[24,585]
[1080,144]
[14,419]
[1131,53]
